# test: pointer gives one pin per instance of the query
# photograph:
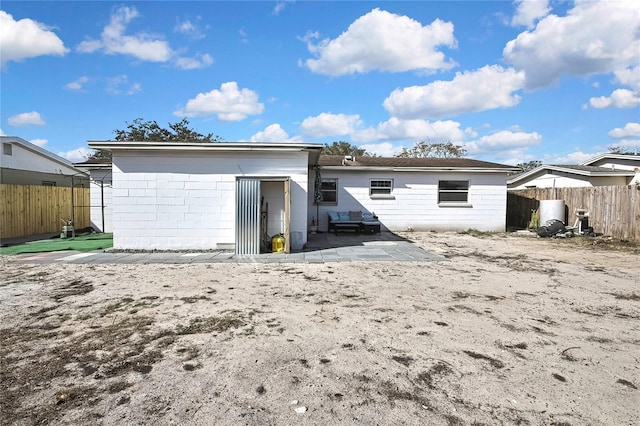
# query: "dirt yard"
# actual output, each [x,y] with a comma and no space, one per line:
[509,330]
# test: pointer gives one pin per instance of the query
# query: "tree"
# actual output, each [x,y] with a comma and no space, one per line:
[433,150]
[617,149]
[529,165]
[140,131]
[343,148]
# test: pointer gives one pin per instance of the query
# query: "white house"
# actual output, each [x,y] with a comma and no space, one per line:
[209,195]
[237,195]
[23,163]
[415,193]
[100,190]
[602,170]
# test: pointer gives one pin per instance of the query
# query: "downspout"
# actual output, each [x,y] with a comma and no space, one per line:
[102,203]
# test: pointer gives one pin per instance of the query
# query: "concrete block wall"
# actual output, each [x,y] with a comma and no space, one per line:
[187,201]
[414,201]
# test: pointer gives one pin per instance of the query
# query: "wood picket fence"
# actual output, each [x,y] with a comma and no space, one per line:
[32,209]
[613,210]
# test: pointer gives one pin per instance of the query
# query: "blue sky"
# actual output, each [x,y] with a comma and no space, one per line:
[510,81]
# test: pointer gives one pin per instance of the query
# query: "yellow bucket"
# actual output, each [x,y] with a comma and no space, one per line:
[277,243]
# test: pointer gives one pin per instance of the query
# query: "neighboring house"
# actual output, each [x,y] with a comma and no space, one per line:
[415,193]
[602,170]
[23,163]
[100,189]
[615,161]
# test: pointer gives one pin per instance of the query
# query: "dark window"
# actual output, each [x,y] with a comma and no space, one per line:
[7,148]
[329,190]
[453,191]
[380,186]
[48,183]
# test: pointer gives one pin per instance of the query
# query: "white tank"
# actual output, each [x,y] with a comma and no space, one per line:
[551,209]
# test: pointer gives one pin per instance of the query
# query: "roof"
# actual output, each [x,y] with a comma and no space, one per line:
[580,170]
[610,156]
[398,163]
[312,148]
[38,150]
[94,163]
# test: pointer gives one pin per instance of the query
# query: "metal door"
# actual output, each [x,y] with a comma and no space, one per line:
[247,216]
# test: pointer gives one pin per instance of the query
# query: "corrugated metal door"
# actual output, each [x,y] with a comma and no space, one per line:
[247,216]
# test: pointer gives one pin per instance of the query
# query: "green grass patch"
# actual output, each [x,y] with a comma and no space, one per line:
[80,243]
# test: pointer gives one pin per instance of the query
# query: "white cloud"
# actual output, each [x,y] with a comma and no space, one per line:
[630,129]
[115,86]
[190,29]
[383,149]
[39,142]
[489,87]
[274,133]
[143,46]
[529,11]
[76,155]
[2,133]
[228,103]
[32,118]
[199,61]
[504,144]
[382,41]
[398,129]
[328,124]
[629,77]
[77,85]
[594,37]
[280,5]
[632,145]
[26,39]
[576,157]
[620,98]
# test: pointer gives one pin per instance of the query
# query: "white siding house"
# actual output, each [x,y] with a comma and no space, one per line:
[418,194]
[602,170]
[177,196]
[23,163]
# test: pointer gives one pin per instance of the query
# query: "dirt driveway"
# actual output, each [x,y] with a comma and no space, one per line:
[508,330]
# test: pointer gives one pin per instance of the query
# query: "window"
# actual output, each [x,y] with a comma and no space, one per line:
[329,190]
[7,148]
[453,191]
[380,186]
[48,183]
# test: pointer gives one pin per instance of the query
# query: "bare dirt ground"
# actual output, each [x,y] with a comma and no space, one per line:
[508,330]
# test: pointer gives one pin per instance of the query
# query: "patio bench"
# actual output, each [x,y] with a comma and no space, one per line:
[358,221]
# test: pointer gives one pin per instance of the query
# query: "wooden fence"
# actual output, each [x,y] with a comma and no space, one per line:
[30,210]
[613,210]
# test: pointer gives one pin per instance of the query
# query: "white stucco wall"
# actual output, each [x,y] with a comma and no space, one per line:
[101,190]
[415,200]
[174,201]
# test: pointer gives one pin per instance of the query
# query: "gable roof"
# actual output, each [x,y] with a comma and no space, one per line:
[610,156]
[409,164]
[580,170]
[37,150]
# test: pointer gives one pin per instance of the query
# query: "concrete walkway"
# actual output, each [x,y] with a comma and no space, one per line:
[321,248]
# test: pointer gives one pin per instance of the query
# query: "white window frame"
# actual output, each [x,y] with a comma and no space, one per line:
[381,189]
[7,148]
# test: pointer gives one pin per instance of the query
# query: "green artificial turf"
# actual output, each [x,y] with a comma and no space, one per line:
[80,243]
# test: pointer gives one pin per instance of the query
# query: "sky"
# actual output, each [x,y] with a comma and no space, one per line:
[510,81]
